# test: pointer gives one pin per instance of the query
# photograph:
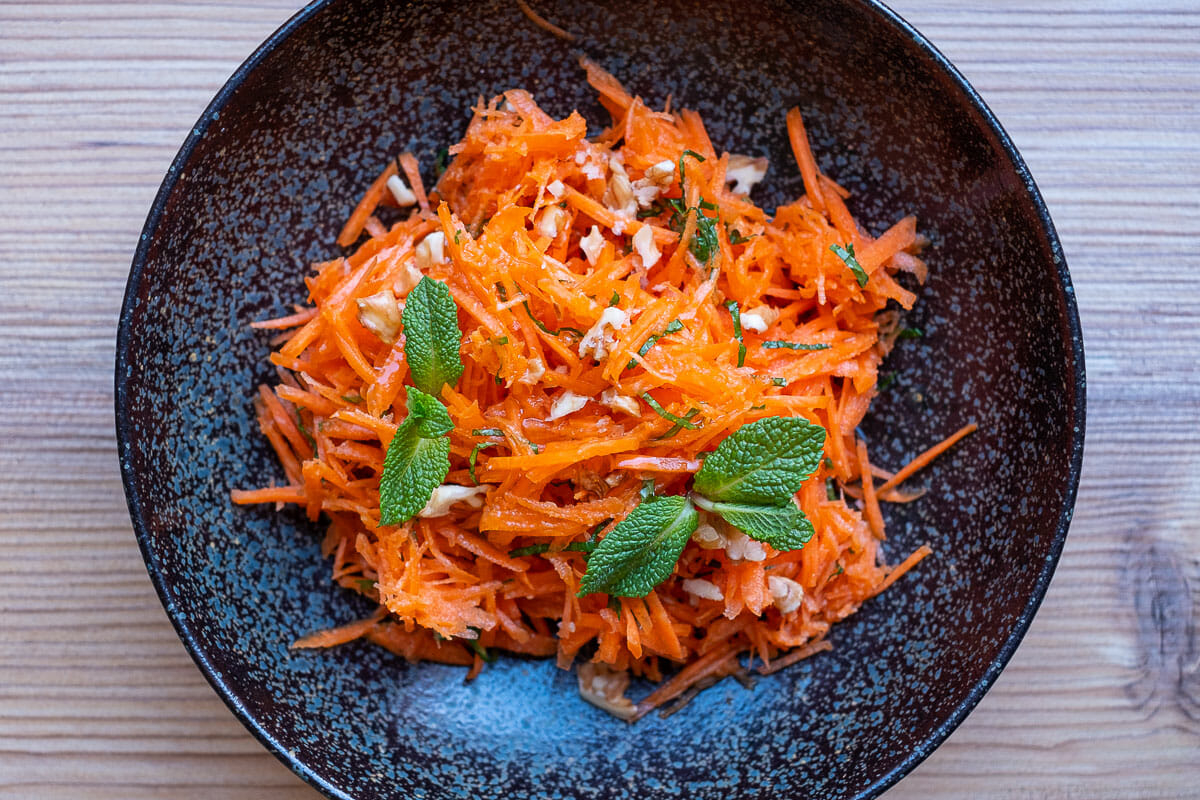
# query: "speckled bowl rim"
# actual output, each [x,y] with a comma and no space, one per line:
[924,748]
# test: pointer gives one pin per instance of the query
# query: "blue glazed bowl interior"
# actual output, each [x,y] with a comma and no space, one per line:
[259,191]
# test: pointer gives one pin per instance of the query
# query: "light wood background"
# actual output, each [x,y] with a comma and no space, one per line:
[98,698]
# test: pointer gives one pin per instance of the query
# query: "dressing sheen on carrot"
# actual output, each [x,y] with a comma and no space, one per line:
[595,281]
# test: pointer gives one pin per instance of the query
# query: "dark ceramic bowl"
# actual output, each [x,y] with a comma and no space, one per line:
[259,190]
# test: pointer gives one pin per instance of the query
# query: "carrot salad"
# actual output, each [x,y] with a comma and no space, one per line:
[623,308]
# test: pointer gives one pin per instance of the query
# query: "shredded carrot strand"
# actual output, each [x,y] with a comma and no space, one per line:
[541,22]
[923,460]
[796,655]
[366,206]
[904,566]
[331,637]
[870,502]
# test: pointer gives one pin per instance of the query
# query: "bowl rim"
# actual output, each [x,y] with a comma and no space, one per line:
[926,746]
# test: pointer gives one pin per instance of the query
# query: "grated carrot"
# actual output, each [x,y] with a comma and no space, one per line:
[514,207]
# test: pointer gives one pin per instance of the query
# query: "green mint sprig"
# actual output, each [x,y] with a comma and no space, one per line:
[418,457]
[749,481]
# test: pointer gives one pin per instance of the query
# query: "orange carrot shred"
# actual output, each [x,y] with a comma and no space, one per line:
[870,503]
[925,458]
[541,22]
[366,206]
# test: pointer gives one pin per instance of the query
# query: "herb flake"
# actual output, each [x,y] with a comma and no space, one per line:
[674,326]
[736,313]
[846,254]
[778,344]
[682,422]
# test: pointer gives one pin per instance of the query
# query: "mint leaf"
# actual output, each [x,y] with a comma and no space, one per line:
[641,551]
[473,459]
[682,156]
[678,426]
[846,254]
[431,336]
[704,242]
[477,648]
[417,459]
[764,461]
[428,414]
[784,527]
[539,549]
[541,325]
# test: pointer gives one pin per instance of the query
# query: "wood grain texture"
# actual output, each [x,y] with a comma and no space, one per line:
[98,698]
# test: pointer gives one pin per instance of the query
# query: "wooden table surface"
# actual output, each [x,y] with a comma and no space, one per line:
[98,698]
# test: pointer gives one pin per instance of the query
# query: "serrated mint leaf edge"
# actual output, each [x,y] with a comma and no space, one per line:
[432,338]
[736,514]
[717,483]
[404,488]
[427,413]
[673,535]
